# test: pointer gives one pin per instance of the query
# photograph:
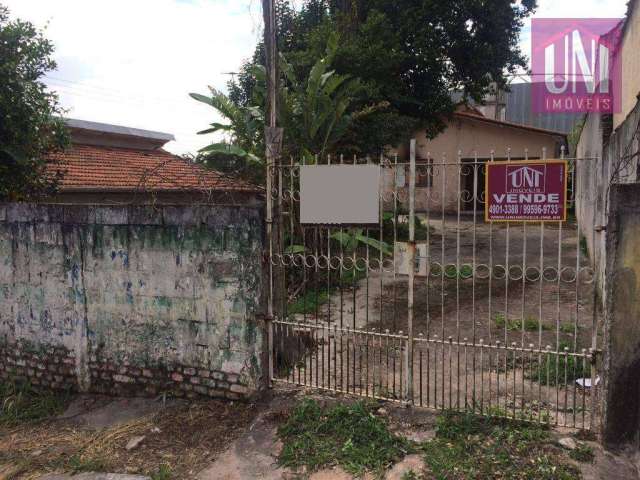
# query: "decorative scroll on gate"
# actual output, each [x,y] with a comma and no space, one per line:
[433,305]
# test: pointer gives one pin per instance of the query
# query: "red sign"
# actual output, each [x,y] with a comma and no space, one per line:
[526,191]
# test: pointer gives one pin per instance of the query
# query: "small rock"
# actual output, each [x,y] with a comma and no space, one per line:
[568,443]
[36,453]
[382,411]
[134,442]
[155,430]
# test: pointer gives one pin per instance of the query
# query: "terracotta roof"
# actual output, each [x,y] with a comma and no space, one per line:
[90,168]
[502,123]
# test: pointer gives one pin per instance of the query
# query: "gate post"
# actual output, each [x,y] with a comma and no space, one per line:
[621,399]
[412,261]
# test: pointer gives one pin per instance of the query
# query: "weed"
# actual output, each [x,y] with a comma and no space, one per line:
[308,303]
[582,453]
[553,368]
[473,447]
[163,473]
[531,324]
[79,464]
[409,475]
[568,328]
[311,300]
[21,402]
[348,435]
[584,248]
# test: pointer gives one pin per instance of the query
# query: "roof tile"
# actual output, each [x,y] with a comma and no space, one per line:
[98,168]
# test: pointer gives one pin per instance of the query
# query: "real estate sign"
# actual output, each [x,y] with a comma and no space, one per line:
[519,191]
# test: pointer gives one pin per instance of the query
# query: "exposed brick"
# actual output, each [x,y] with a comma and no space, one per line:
[204,373]
[241,389]
[189,371]
[195,380]
[147,373]
[200,389]
[176,377]
[122,379]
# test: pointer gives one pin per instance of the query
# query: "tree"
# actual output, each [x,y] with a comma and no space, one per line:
[30,123]
[314,110]
[409,53]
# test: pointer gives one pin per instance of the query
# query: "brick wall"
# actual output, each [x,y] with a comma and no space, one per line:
[132,300]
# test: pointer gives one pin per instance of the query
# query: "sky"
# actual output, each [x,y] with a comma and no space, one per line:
[133,62]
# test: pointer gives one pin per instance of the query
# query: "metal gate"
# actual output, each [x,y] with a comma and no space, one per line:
[497,319]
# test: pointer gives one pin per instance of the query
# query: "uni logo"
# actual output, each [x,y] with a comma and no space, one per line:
[575,65]
[525,177]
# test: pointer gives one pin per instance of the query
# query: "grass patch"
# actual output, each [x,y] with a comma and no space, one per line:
[311,299]
[163,473]
[582,453]
[531,324]
[79,464]
[554,368]
[22,402]
[470,447]
[568,328]
[347,435]
[308,303]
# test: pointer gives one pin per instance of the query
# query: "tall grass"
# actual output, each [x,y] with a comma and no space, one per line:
[22,402]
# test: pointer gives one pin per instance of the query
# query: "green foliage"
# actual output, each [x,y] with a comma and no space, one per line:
[242,152]
[531,324]
[582,453]
[553,368]
[79,464]
[30,127]
[21,402]
[314,110]
[408,54]
[402,228]
[308,302]
[472,447]
[352,240]
[163,473]
[347,435]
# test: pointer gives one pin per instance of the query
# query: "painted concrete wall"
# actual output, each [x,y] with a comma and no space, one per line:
[470,137]
[621,419]
[630,66]
[132,299]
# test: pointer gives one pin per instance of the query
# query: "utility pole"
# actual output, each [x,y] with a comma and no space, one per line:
[273,145]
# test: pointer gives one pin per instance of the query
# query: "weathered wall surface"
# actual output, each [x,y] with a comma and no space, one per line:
[132,299]
[468,138]
[606,159]
[622,328]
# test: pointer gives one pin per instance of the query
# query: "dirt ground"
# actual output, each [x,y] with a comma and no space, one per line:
[92,435]
[209,440]
[459,319]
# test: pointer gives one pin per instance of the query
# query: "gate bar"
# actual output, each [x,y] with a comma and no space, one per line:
[412,257]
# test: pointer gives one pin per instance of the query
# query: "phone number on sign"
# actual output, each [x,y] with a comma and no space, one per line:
[524,209]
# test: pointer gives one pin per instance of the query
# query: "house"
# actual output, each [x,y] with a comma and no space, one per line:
[469,136]
[110,164]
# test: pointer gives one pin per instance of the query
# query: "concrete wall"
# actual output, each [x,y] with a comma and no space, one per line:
[606,158]
[630,64]
[621,407]
[132,299]
[470,137]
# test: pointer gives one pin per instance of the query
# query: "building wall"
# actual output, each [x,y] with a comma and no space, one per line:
[132,299]
[606,159]
[469,137]
[621,406]
[630,65]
